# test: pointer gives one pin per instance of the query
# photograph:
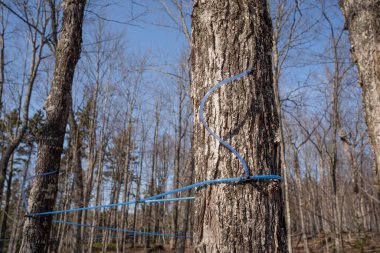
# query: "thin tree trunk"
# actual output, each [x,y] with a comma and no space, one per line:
[15,140]
[44,190]
[91,152]
[95,218]
[6,213]
[63,230]
[176,172]
[300,199]
[276,81]
[76,242]
[228,37]
[126,179]
[110,218]
[152,181]
[16,228]
[155,181]
[333,156]
[15,237]
[184,223]
[138,188]
[2,63]
[99,178]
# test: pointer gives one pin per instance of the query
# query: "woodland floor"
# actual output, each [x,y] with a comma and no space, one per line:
[143,250]
[352,243]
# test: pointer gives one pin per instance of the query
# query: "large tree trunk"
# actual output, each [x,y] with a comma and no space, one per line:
[362,21]
[228,37]
[44,190]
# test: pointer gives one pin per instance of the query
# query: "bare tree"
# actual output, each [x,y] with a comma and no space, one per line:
[185,216]
[139,178]
[152,183]
[44,189]
[76,244]
[37,38]
[290,30]
[100,55]
[176,11]
[2,50]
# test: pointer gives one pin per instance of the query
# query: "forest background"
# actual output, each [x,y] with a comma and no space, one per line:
[131,123]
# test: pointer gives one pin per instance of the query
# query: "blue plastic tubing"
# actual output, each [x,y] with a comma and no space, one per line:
[202,119]
[159,197]
[156,197]
[23,195]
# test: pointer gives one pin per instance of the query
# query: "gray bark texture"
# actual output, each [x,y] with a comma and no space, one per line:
[363,23]
[44,189]
[228,37]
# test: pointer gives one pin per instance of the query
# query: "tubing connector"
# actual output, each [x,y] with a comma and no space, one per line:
[245,179]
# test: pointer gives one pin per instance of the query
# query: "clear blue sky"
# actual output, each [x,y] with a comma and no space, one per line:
[151,29]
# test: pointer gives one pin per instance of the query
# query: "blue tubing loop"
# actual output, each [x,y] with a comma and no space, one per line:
[202,119]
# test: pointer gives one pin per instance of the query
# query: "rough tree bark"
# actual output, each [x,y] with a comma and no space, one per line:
[362,21]
[44,189]
[228,37]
